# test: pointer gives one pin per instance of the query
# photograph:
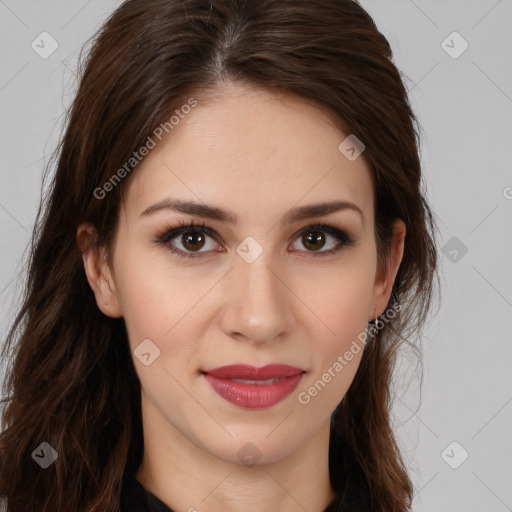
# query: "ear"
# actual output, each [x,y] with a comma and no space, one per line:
[385,277]
[99,273]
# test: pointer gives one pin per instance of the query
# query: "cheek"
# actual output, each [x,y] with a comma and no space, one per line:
[151,298]
[342,301]
[158,305]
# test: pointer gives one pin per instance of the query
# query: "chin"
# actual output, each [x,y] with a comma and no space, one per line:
[251,447]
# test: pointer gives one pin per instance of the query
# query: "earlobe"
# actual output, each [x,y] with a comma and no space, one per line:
[98,271]
[385,278]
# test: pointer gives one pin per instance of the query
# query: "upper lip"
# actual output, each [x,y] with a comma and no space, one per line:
[244,371]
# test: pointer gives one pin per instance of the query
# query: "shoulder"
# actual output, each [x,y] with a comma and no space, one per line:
[133,496]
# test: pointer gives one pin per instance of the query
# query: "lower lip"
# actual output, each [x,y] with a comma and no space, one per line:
[254,396]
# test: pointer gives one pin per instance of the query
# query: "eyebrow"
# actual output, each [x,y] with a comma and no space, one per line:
[215,213]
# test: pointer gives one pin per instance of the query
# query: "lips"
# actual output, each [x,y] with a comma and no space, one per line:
[243,371]
[251,387]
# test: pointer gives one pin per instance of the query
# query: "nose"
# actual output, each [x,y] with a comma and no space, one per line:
[258,303]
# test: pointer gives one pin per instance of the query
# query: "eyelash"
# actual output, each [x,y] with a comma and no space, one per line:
[172,232]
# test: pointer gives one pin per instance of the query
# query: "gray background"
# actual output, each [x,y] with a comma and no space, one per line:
[464,105]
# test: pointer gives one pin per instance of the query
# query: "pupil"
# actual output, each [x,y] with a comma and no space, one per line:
[312,238]
[188,239]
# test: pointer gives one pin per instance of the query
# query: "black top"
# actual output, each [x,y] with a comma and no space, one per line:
[135,498]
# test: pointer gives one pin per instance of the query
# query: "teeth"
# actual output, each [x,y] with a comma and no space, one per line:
[259,382]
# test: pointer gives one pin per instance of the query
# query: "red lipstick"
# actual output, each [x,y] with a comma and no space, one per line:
[251,387]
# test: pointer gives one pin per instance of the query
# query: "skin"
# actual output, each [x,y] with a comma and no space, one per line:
[257,155]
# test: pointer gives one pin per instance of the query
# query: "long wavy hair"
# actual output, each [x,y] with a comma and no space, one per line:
[70,379]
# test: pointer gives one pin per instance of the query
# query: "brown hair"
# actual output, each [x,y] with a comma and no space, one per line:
[72,382]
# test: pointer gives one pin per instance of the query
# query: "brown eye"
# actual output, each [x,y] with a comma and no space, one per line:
[314,240]
[193,240]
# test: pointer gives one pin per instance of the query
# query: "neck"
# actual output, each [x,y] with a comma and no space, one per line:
[187,477]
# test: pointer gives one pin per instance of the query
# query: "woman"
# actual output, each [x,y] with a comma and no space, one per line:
[234,245]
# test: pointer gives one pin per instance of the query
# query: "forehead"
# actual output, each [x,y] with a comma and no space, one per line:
[252,152]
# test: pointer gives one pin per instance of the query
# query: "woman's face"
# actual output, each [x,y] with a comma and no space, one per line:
[259,285]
